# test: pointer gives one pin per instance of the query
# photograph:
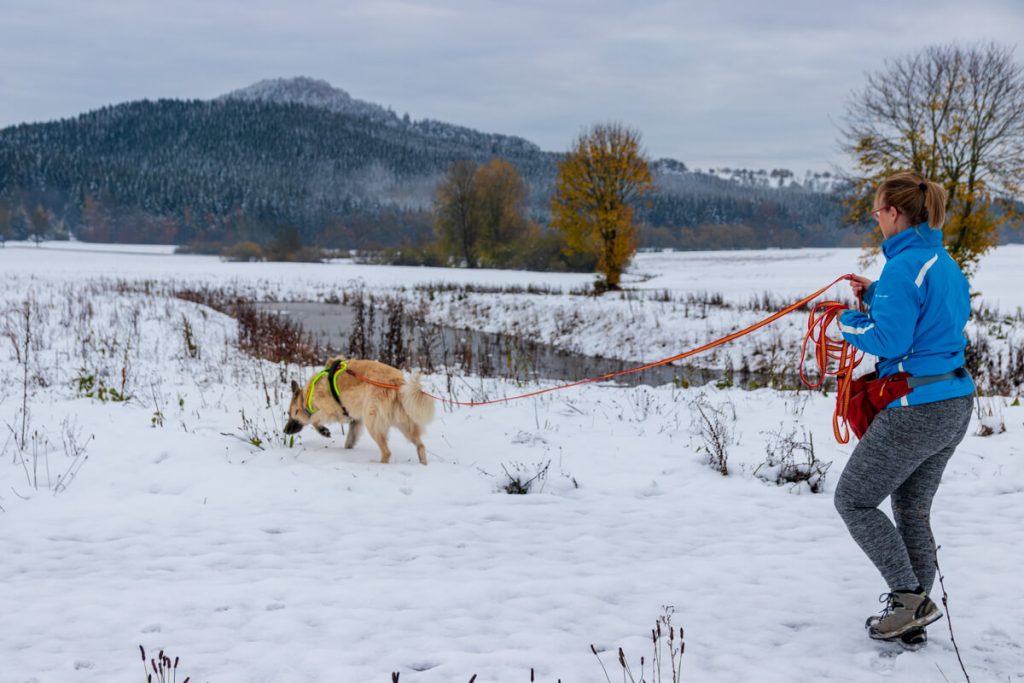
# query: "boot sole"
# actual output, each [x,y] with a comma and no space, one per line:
[913,647]
[909,626]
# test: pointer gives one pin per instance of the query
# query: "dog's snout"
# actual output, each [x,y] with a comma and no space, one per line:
[293,427]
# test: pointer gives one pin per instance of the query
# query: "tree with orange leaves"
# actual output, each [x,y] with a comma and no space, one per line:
[599,182]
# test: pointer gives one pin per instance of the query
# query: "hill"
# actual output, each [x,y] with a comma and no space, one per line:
[299,153]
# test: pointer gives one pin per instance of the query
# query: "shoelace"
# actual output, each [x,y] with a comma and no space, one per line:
[892,603]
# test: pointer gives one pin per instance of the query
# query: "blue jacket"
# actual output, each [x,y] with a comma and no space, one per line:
[916,315]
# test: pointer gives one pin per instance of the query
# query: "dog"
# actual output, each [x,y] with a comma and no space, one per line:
[350,392]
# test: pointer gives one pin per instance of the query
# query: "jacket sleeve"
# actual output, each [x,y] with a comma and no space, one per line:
[869,294]
[887,330]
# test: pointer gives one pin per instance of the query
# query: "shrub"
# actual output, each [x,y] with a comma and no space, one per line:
[522,479]
[709,423]
[201,248]
[244,251]
[781,466]
[90,386]
[260,333]
[191,348]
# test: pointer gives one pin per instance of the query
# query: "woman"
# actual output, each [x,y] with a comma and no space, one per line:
[916,313]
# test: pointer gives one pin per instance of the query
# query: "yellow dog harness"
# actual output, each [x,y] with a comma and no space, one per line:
[331,373]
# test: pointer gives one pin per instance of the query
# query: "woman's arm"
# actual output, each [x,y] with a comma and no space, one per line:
[887,331]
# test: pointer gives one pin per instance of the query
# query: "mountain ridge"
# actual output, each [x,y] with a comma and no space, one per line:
[303,153]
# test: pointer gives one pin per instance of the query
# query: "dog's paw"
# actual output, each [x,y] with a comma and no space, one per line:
[324,431]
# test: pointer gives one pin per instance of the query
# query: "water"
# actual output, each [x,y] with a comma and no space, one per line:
[431,346]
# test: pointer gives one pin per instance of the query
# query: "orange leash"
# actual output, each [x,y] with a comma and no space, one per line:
[830,351]
[826,350]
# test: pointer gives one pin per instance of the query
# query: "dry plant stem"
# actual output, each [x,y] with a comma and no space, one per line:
[20,336]
[158,413]
[24,380]
[715,435]
[64,480]
[945,604]
[625,667]
[263,380]
[46,459]
[606,676]
[7,444]
[19,453]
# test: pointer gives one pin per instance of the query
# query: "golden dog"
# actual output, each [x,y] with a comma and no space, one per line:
[341,393]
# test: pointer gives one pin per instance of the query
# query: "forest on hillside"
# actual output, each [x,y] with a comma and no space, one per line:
[226,171]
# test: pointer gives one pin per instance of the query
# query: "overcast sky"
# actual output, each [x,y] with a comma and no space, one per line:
[744,83]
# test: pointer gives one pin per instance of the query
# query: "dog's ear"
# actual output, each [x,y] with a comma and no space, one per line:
[324,431]
[295,388]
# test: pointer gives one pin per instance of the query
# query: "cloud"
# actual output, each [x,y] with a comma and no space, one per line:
[739,83]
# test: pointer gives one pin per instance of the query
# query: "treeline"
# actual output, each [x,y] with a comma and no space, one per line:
[784,218]
[215,174]
[480,220]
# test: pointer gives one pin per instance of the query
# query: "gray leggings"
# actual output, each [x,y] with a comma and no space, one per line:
[902,455]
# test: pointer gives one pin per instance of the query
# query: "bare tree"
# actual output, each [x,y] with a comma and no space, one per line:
[955,114]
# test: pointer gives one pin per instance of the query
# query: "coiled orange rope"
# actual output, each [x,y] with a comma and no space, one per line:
[826,351]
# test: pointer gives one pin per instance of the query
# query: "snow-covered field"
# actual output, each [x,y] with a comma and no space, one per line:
[156,522]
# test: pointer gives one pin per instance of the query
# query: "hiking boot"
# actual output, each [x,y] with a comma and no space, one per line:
[903,614]
[914,639]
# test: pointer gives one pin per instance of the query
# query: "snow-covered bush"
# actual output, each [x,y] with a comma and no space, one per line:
[990,417]
[781,466]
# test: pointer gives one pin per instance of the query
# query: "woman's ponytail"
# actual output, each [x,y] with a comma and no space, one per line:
[920,199]
[935,203]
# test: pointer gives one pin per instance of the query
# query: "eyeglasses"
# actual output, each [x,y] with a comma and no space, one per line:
[877,212]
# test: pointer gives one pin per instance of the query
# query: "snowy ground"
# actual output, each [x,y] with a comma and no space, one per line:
[311,563]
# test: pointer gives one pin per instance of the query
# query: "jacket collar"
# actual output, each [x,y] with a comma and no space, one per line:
[922,235]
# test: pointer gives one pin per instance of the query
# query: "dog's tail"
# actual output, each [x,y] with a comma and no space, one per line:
[418,406]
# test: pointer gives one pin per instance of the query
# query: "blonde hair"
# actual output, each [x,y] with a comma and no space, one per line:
[920,199]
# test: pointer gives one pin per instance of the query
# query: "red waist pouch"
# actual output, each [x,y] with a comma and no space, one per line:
[870,395]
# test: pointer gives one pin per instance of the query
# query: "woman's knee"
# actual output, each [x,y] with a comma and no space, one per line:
[853,496]
[844,499]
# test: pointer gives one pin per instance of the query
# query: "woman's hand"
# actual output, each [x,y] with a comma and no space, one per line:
[859,284]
